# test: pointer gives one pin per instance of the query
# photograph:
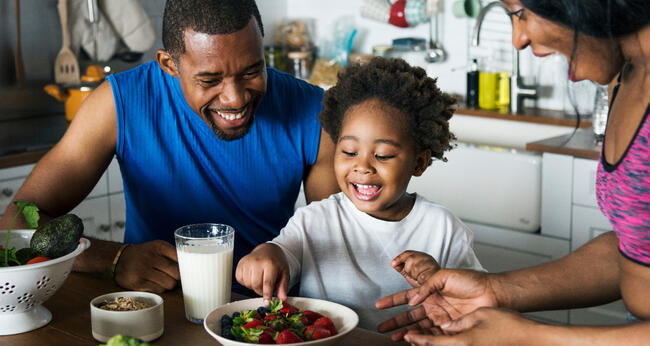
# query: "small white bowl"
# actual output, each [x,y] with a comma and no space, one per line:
[146,324]
[344,318]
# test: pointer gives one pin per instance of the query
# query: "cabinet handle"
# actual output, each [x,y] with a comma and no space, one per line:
[120,224]
[104,228]
[7,192]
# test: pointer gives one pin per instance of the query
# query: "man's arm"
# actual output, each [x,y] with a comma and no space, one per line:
[320,182]
[68,172]
[65,176]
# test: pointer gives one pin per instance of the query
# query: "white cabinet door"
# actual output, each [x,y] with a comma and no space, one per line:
[114,177]
[502,250]
[118,216]
[584,182]
[11,179]
[95,216]
[589,223]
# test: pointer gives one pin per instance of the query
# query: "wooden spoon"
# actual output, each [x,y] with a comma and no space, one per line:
[20,69]
[66,66]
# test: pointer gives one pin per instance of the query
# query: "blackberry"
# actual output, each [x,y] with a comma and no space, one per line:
[228,334]
[263,311]
[235,314]
[226,320]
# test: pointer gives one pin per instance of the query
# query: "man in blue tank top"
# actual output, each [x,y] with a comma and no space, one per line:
[206,133]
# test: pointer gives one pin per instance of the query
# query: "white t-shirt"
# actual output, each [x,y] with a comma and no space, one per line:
[341,254]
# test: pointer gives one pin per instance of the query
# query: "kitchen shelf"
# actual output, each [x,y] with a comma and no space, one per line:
[531,115]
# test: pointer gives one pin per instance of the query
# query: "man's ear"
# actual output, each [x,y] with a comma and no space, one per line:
[422,162]
[166,62]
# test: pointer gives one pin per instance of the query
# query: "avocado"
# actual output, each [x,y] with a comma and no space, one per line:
[58,237]
[25,254]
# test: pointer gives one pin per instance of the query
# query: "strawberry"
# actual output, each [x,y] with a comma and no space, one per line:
[270,317]
[256,316]
[327,323]
[266,337]
[317,332]
[288,309]
[311,316]
[287,337]
[253,324]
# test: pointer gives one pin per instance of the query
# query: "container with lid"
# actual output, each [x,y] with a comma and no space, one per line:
[300,64]
[74,95]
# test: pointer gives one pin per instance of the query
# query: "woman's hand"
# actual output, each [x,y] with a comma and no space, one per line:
[485,326]
[263,270]
[415,266]
[445,296]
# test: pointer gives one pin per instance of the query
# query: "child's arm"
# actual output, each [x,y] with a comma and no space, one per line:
[415,266]
[263,270]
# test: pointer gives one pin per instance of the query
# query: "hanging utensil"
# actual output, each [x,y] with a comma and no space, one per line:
[18,58]
[435,52]
[66,66]
[93,18]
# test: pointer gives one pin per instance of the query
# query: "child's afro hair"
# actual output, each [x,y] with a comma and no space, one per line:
[401,86]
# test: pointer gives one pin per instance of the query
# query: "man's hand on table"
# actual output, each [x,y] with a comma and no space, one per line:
[445,296]
[151,266]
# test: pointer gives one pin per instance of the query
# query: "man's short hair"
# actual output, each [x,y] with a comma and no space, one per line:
[213,17]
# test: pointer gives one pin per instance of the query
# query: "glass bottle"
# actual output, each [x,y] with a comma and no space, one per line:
[472,85]
[601,111]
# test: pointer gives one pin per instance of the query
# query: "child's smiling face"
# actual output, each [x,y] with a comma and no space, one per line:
[375,159]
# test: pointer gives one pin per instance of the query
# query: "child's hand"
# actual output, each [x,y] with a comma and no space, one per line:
[415,266]
[263,270]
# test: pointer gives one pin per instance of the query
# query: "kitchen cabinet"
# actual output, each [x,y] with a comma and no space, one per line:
[102,212]
[11,179]
[570,211]
[501,250]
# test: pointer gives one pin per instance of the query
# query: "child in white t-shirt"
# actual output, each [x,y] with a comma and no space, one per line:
[388,120]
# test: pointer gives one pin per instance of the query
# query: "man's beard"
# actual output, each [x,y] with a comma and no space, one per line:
[232,136]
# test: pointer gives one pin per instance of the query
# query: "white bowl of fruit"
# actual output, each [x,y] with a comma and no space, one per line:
[297,321]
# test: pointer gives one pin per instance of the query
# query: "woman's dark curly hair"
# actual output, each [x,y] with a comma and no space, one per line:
[401,86]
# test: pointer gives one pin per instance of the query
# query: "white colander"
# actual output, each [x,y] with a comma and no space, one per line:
[24,288]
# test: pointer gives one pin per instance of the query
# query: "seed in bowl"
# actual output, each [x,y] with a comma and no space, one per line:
[123,304]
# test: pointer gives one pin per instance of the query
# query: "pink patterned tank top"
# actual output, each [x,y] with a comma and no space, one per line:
[623,192]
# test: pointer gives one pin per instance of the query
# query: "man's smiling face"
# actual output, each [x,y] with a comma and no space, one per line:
[223,78]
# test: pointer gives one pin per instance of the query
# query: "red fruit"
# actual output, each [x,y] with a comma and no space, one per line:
[253,324]
[311,316]
[327,323]
[38,260]
[287,337]
[317,332]
[266,338]
[287,309]
[270,317]
[257,316]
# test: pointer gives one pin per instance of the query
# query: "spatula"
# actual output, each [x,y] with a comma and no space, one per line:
[66,66]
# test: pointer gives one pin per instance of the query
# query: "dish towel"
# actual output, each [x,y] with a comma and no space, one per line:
[119,23]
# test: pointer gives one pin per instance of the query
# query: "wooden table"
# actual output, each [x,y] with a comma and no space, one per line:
[70,325]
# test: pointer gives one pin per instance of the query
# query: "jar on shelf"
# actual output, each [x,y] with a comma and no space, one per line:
[275,57]
[300,64]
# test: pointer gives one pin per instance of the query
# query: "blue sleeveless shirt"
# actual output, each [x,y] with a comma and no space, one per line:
[176,171]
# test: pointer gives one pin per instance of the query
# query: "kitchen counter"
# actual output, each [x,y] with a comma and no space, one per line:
[70,325]
[582,145]
[531,115]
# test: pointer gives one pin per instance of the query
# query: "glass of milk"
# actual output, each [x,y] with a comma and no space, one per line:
[205,261]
